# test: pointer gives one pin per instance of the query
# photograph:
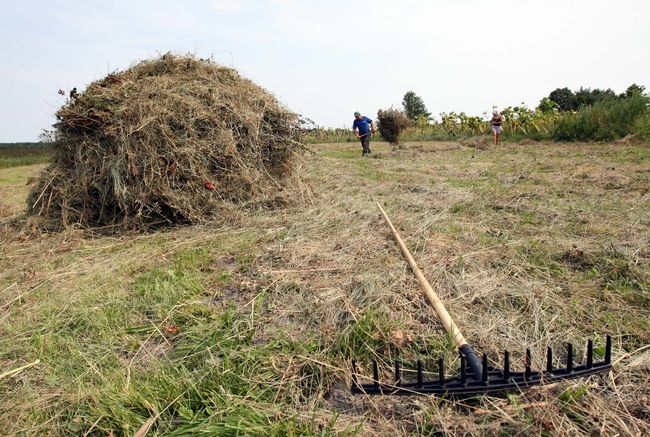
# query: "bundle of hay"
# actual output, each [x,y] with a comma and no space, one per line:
[391,124]
[162,143]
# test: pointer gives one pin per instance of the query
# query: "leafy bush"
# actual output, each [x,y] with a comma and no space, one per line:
[642,126]
[546,105]
[604,121]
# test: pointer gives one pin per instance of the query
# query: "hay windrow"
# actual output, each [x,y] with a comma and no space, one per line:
[140,148]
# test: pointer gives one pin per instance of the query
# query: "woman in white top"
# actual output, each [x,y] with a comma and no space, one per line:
[496,126]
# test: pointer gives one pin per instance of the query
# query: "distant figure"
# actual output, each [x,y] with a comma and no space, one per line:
[496,126]
[363,128]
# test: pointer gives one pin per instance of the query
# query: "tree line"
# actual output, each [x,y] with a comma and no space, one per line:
[563,99]
[560,99]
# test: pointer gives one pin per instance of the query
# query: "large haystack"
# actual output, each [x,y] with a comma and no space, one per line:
[163,143]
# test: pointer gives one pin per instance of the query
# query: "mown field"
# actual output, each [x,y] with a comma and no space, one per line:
[247,325]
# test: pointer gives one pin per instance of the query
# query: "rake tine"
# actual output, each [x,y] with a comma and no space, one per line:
[506,365]
[398,373]
[608,350]
[463,375]
[484,374]
[468,383]
[375,374]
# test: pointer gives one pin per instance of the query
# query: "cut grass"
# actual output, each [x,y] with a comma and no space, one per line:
[248,326]
[14,188]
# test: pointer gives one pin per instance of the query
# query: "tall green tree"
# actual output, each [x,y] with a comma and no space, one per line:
[563,98]
[414,106]
[634,90]
[587,96]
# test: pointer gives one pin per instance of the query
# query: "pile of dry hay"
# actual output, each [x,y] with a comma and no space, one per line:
[391,124]
[164,142]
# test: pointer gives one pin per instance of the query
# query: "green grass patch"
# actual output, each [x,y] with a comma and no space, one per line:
[462,182]
[367,169]
[13,176]
[18,155]
[364,337]
[538,255]
[636,155]
[341,154]
[214,380]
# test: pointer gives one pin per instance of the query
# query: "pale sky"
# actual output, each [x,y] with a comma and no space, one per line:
[326,59]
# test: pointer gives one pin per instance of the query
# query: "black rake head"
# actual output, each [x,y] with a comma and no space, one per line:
[490,380]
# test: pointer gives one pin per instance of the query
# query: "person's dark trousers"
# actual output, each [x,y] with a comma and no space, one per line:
[365,144]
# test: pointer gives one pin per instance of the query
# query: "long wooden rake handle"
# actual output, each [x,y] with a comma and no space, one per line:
[451,328]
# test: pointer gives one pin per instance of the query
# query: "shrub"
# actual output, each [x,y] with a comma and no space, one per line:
[604,121]
[642,126]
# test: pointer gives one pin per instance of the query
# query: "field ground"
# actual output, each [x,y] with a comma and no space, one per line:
[248,325]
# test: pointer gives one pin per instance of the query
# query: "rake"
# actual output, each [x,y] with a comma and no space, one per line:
[476,376]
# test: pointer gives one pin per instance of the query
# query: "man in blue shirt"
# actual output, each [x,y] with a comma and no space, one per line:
[363,128]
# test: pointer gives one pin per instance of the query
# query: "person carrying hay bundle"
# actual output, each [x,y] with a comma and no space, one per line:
[496,121]
[363,128]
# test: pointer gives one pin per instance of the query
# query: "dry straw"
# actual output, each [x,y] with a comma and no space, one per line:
[391,124]
[162,143]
